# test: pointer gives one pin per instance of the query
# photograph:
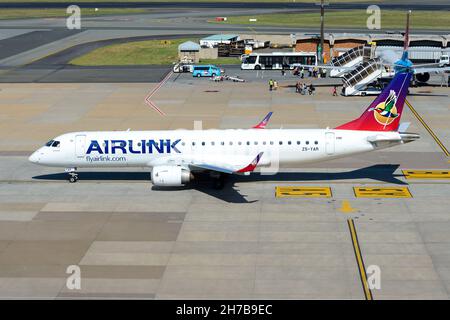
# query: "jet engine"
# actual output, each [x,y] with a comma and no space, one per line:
[170,176]
[423,77]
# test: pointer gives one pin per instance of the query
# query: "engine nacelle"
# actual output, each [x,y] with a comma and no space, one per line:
[423,77]
[170,176]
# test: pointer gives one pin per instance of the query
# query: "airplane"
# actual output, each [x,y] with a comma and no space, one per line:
[176,156]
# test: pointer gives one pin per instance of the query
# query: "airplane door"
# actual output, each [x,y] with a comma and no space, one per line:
[329,143]
[80,145]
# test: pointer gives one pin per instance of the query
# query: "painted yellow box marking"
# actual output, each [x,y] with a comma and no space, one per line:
[300,191]
[368,192]
[426,174]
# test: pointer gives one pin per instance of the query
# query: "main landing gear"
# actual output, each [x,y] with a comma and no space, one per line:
[218,180]
[73,175]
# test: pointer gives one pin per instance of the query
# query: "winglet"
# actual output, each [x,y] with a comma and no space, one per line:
[252,164]
[263,123]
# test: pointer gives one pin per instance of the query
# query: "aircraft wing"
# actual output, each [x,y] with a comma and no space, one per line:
[232,164]
[322,66]
[436,69]
[230,168]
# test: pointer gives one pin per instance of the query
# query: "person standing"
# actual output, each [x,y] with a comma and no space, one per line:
[334,91]
[270,85]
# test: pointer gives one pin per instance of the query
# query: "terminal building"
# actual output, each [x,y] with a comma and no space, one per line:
[422,48]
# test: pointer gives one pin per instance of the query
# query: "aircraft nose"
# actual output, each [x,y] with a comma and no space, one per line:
[34,158]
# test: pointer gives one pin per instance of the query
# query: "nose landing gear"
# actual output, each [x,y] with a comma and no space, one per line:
[73,175]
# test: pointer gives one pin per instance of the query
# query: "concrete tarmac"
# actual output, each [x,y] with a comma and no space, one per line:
[131,240]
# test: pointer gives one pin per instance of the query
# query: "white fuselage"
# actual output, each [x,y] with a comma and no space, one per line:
[184,147]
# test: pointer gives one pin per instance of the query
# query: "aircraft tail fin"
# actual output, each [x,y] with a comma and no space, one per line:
[384,113]
[406,39]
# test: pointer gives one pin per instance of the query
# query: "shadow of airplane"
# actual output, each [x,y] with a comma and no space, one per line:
[230,193]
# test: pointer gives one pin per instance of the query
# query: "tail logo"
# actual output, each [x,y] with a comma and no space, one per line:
[386,112]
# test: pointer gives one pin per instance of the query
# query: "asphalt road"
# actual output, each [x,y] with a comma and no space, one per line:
[27,41]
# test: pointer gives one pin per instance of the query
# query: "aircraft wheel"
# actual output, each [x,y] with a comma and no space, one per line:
[219,183]
[73,178]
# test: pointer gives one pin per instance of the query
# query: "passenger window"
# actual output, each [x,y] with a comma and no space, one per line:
[193,143]
[271,142]
[307,142]
[315,142]
[264,143]
[212,143]
[298,142]
[289,142]
[239,143]
[222,143]
[120,144]
[281,142]
[231,143]
[248,143]
[203,143]
[256,143]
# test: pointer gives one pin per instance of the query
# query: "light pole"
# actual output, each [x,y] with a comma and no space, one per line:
[322,18]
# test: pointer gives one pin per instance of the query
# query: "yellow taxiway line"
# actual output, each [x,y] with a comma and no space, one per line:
[416,114]
[359,260]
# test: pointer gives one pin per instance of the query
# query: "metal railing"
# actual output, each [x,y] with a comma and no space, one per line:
[362,71]
[350,55]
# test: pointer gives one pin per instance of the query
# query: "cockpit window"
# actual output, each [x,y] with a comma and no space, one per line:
[55,144]
[48,144]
